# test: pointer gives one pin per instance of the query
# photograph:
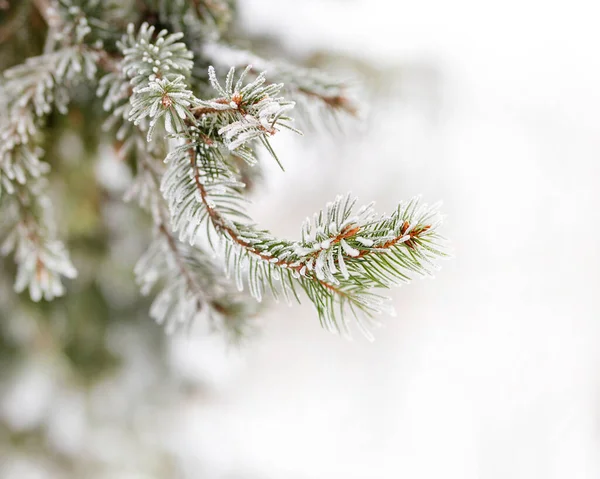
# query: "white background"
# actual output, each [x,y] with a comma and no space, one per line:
[492,369]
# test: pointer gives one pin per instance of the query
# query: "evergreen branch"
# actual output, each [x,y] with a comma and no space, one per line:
[28,93]
[41,259]
[163,103]
[149,55]
[308,84]
[370,252]
[193,288]
[266,259]
[197,19]
[352,242]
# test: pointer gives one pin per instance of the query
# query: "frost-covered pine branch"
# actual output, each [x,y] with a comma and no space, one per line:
[320,97]
[208,126]
[28,94]
[191,283]
[42,259]
[338,265]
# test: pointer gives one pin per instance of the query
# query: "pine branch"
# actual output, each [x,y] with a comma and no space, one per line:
[28,93]
[206,192]
[29,233]
[193,286]
[309,87]
[345,256]
[337,264]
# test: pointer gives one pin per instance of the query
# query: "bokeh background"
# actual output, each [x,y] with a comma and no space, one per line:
[489,371]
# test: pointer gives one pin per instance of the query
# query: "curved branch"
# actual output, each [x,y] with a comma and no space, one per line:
[220,224]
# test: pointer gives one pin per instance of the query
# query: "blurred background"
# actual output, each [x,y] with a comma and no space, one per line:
[489,371]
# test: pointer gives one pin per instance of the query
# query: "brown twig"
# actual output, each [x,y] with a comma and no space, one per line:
[336,102]
[47,12]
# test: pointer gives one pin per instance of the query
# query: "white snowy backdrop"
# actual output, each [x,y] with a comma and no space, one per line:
[491,370]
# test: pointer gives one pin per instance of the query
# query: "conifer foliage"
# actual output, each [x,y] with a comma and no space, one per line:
[195,113]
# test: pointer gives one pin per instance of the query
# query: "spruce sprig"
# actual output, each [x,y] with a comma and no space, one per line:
[343,257]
